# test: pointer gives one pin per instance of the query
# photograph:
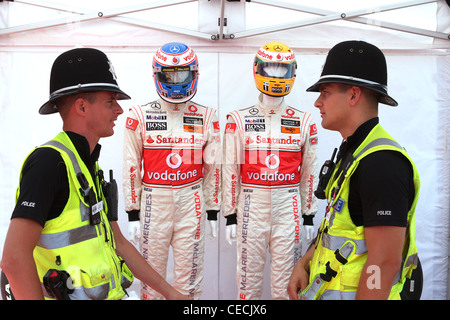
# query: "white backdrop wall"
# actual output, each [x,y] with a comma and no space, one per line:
[419,72]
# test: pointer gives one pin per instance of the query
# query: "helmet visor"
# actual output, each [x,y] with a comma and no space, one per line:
[276,70]
[175,75]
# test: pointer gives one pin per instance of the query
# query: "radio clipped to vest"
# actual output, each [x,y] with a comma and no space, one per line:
[324,176]
[110,192]
[89,196]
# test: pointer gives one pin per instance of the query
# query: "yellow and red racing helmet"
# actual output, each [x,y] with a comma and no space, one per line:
[274,69]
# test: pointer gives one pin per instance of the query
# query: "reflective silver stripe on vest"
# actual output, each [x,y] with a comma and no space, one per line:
[412,260]
[338,295]
[81,293]
[334,242]
[84,210]
[96,293]
[69,152]
[66,238]
[377,143]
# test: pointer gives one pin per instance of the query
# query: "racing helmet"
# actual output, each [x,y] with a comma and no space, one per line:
[274,69]
[175,70]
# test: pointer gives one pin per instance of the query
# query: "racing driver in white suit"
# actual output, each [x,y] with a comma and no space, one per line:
[269,175]
[171,172]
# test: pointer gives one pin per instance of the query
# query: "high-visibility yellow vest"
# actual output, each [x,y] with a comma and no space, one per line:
[341,251]
[70,243]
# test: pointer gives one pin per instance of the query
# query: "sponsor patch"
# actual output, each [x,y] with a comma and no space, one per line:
[216,126]
[230,128]
[181,167]
[290,123]
[155,117]
[131,124]
[192,128]
[152,126]
[313,129]
[192,120]
[264,167]
[290,130]
[255,127]
[254,120]
[253,111]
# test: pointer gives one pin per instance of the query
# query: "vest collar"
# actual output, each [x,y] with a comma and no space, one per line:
[82,145]
[355,140]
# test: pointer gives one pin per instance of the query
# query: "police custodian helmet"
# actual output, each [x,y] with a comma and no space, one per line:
[356,63]
[81,70]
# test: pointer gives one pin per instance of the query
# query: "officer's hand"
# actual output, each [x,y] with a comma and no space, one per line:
[175,295]
[134,232]
[298,281]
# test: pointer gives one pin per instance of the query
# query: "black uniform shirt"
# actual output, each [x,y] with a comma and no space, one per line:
[382,186]
[44,188]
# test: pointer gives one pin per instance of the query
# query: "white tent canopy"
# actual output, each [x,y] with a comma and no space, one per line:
[414,35]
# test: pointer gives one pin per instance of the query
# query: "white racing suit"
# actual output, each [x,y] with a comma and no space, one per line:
[171,173]
[269,175]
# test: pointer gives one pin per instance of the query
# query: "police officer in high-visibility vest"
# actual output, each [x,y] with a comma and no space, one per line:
[365,247]
[63,241]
